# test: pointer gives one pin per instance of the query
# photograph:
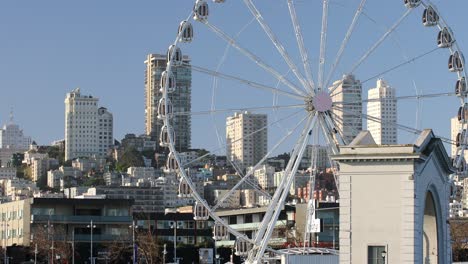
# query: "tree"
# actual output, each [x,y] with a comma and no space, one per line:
[119,251]
[148,246]
[130,158]
[459,233]
[48,236]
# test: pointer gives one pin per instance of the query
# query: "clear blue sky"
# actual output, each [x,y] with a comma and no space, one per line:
[50,47]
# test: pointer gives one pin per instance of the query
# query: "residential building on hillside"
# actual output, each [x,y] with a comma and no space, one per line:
[382,105]
[180,99]
[347,109]
[12,137]
[244,147]
[88,129]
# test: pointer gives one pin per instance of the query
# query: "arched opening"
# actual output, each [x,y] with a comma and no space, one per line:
[430,231]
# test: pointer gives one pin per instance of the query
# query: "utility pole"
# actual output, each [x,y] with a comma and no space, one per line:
[91,226]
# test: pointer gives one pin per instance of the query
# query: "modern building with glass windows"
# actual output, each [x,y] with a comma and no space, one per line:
[180,99]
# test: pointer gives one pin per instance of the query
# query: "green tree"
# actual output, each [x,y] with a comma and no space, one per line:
[130,158]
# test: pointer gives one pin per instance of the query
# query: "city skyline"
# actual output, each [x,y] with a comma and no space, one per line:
[92,72]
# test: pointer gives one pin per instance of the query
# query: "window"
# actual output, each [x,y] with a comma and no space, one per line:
[374,254]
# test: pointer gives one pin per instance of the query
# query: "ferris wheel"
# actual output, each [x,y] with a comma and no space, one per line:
[271,58]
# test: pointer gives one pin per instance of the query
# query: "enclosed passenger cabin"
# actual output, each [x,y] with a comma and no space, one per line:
[171,86]
[242,247]
[412,3]
[164,140]
[456,62]
[220,232]
[200,213]
[185,31]
[174,55]
[460,138]
[219,1]
[463,167]
[200,10]
[460,87]
[430,17]
[171,163]
[184,189]
[463,113]
[162,109]
[445,38]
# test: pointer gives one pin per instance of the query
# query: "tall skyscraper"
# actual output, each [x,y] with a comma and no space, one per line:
[245,147]
[180,99]
[382,105]
[348,99]
[88,129]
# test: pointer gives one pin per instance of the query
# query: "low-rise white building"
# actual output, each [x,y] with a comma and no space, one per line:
[141,172]
[264,176]
[233,201]
[7,172]
[18,189]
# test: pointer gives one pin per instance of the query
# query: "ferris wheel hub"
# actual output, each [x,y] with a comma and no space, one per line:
[322,101]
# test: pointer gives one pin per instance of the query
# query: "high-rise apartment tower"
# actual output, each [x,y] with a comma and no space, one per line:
[245,147]
[382,105]
[348,106]
[180,99]
[88,129]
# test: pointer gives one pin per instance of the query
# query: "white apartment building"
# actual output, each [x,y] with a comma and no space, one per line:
[245,147]
[12,137]
[264,176]
[321,154]
[17,189]
[383,106]
[233,201]
[7,172]
[39,167]
[347,97]
[141,172]
[88,129]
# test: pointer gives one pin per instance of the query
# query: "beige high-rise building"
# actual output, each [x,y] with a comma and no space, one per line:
[455,127]
[382,105]
[180,99]
[244,147]
[347,97]
[88,129]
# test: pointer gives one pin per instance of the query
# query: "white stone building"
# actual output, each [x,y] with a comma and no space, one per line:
[12,137]
[383,106]
[233,201]
[7,172]
[394,202]
[244,147]
[88,129]
[348,106]
[141,172]
[264,176]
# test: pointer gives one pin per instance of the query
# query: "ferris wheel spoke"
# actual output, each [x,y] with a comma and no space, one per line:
[323,43]
[398,98]
[333,126]
[250,5]
[244,81]
[231,41]
[288,117]
[402,64]
[337,119]
[301,45]
[269,220]
[240,109]
[381,40]
[249,174]
[332,150]
[345,42]
[398,126]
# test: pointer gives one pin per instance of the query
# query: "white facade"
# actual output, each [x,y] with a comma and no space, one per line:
[12,137]
[233,201]
[141,172]
[265,176]
[383,106]
[88,129]
[244,147]
[395,199]
[348,97]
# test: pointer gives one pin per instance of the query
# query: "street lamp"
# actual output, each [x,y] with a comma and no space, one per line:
[164,254]
[384,254]
[91,226]
[133,227]
[174,226]
[48,226]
